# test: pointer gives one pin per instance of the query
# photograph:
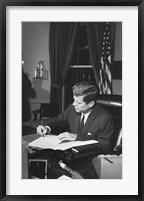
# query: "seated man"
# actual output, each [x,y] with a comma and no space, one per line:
[85,119]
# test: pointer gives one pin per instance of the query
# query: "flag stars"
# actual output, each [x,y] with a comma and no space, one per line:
[105,74]
[106,41]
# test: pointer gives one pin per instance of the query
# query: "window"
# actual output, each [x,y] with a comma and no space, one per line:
[81,54]
[81,65]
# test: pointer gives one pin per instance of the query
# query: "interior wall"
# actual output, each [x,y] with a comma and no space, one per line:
[35,43]
[117,84]
[118,42]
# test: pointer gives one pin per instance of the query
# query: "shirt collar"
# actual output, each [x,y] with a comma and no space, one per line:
[85,116]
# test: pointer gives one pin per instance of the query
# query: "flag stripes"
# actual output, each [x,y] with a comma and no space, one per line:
[105,83]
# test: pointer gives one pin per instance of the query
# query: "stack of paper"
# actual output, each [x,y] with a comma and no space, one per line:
[52,142]
[64,177]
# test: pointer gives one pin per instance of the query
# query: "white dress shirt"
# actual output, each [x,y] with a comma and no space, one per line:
[85,116]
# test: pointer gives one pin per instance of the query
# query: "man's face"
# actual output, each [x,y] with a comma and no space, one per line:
[80,106]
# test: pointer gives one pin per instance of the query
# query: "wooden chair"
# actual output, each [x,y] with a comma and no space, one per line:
[46,110]
[110,166]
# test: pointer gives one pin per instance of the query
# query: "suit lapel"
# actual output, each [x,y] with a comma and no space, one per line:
[87,125]
[76,122]
[89,121]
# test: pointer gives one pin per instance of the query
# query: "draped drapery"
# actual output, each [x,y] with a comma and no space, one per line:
[61,46]
[101,47]
[94,44]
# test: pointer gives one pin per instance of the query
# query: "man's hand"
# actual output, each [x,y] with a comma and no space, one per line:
[41,130]
[66,136]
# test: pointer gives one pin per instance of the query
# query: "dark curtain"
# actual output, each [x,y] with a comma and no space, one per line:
[94,43]
[61,46]
[26,87]
[95,31]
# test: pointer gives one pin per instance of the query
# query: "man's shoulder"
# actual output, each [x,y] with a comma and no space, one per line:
[70,108]
[71,111]
[99,109]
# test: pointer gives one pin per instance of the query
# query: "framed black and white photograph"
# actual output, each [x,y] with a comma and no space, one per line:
[71,100]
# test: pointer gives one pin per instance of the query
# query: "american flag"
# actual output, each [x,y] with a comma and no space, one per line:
[105,83]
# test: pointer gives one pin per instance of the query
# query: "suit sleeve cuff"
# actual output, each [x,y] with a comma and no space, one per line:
[48,129]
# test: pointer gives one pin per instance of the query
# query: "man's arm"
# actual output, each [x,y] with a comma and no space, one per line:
[102,131]
[105,135]
[54,125]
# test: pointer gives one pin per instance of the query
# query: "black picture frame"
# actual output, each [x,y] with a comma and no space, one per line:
[3,6]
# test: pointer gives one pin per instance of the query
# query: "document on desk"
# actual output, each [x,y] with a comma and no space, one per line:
[52,142]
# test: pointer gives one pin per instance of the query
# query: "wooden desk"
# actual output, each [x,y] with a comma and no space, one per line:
[30,138]
[32,123]
[52,169]
[84,166]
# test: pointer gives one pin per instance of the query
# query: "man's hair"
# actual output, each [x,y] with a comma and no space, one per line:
[88,90]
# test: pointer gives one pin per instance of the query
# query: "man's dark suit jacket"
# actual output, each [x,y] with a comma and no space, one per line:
[99,125]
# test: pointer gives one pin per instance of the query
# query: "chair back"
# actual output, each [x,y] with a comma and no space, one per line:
[113,103]
[48,110]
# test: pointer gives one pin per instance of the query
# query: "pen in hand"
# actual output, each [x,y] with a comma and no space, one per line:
[44,134]
[42,130]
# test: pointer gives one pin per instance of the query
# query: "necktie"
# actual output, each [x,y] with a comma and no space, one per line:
[81,124]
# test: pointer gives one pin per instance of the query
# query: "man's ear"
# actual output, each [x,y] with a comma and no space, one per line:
[91,104]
